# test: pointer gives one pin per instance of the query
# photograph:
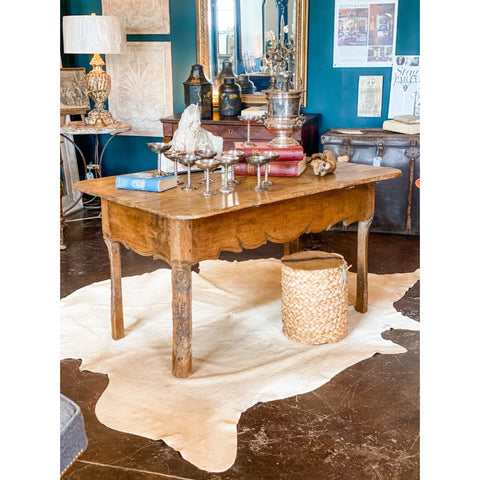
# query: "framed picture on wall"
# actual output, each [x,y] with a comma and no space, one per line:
[73,90]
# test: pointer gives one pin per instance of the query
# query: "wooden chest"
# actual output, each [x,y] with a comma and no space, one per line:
[397,202]
[233,130]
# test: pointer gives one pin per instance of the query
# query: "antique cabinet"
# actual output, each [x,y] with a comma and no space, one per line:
[397,202]
[233,130]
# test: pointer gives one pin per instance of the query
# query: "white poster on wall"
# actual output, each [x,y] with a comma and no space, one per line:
[365,33]
[370,96]
[405,89]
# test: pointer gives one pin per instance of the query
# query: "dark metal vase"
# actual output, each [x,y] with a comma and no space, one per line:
[229,98]
[226,71]
[247,86]
[198,91]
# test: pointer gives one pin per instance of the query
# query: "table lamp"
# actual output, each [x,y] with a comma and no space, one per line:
[96,34]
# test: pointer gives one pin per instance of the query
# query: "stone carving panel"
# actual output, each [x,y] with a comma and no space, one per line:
[142,90]
[142,16]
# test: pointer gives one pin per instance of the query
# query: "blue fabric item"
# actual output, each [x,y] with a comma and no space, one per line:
[73,439]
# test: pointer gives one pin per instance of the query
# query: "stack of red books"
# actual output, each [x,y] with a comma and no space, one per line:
[291,161]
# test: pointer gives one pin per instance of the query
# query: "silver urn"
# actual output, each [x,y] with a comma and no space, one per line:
[283,117]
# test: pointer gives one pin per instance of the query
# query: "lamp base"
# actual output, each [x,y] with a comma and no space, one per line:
[99,118]
[98,88]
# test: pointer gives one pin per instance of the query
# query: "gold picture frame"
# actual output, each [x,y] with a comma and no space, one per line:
[301,48]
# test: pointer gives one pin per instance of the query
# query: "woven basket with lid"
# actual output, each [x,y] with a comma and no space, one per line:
[314,297]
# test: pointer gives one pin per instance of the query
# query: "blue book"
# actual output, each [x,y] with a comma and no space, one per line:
[146,181]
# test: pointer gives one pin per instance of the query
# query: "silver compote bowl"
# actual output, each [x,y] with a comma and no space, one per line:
[272,156]
[174,155]
[188,159]
[258,161]
[207,165]
[159,148]
[228,161]
[239,155]
[206,154]
[248,119]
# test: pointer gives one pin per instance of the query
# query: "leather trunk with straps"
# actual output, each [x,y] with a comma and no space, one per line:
[397,202]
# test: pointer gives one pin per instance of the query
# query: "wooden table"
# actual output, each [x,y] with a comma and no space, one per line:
[184,228]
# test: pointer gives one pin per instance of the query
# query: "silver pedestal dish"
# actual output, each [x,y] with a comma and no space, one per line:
[207,165]
[188,159]
[159,148]
[227,161]
[248,119]
[238,154]
[208,154]
[258,161]
[174,156]
[272,156]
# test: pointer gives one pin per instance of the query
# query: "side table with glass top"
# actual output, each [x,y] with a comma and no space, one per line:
[80,128]
[67,131]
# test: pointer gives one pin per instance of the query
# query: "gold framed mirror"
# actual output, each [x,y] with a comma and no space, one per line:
[300,67]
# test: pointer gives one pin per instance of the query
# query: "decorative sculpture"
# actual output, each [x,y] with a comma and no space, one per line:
[190,135]
[323,163]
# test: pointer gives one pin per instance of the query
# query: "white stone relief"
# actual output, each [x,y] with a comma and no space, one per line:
[142,16]
[142,90]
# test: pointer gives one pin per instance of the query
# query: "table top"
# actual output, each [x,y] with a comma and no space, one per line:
[181,205]
[80,128]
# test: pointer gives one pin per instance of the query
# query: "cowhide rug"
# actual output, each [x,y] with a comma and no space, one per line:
[240,356]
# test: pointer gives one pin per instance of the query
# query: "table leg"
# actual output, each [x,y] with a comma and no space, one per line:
[291,247]
[63,246]
[361,304]
[182,318]
[116,305]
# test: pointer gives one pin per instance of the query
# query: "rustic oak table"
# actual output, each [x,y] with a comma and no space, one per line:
[184,228]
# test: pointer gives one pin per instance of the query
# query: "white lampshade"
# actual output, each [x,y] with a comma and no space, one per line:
[94,34]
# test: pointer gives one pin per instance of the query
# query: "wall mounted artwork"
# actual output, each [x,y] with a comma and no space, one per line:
[73,89]
[142,90]
[141,17]
[365,33]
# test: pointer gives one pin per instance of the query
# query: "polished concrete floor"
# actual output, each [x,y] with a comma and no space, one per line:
[363,424]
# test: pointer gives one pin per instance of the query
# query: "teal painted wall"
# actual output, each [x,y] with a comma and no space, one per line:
[332,92]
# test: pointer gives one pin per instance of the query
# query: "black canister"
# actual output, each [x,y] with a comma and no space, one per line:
[229,98]
[226,71]
[247,86]
[198,91]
